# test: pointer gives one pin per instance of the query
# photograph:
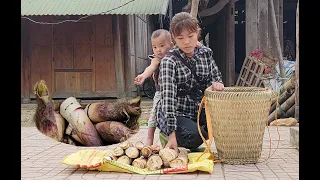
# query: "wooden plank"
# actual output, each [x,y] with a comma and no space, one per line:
[73,82]
[251,19]
[119,54]
[100,94]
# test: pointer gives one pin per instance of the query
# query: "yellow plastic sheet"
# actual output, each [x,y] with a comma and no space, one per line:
[102,161]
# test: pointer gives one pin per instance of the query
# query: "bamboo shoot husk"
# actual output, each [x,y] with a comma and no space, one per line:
[47,121]
[113,131]
[73,134]
[284,106]
[61,125]
[67,139]
[127,112]
[71,110]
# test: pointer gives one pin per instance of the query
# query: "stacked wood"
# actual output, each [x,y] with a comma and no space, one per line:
[149,157]
[283,106]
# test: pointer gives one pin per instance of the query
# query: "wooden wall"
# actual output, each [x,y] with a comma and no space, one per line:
[75,59]
[96,57]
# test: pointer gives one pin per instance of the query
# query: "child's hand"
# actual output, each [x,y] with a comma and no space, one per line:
[198,44]
[139,79]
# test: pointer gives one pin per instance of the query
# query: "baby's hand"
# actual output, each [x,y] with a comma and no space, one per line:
[139,79]
[216,86]
[199,44]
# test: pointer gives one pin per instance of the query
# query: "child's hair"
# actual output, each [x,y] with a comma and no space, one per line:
[158,32]
[183,20]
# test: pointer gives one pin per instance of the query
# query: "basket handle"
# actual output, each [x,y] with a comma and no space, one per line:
[209,126]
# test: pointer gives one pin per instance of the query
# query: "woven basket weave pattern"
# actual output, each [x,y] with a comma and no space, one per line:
[239,116]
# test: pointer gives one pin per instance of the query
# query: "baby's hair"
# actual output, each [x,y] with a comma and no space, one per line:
[158,32]
[183,20]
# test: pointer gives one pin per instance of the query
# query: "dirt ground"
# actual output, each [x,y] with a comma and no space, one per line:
[28,111]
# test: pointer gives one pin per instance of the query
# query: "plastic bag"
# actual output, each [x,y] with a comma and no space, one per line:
[102,161]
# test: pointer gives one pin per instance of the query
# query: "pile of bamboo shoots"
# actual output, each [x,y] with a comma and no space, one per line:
[151,157]
[283,107]
[92,124]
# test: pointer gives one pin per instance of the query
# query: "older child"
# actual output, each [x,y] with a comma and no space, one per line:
[180,90]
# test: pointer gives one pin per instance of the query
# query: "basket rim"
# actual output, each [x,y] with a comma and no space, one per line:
[239,89]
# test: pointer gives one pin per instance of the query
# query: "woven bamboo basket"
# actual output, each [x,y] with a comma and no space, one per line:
[239,117]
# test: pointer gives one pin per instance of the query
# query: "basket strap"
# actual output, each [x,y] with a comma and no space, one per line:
[276,118]
[209,126]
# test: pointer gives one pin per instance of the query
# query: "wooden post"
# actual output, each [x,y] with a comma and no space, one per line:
[194,8]
[131,54]
[297,65]
[278,45]
[230,46]
[251,28]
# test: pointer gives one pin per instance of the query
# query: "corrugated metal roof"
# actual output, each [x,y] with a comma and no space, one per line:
[90,7]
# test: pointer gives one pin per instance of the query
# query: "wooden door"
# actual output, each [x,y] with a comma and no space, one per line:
[73,59]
